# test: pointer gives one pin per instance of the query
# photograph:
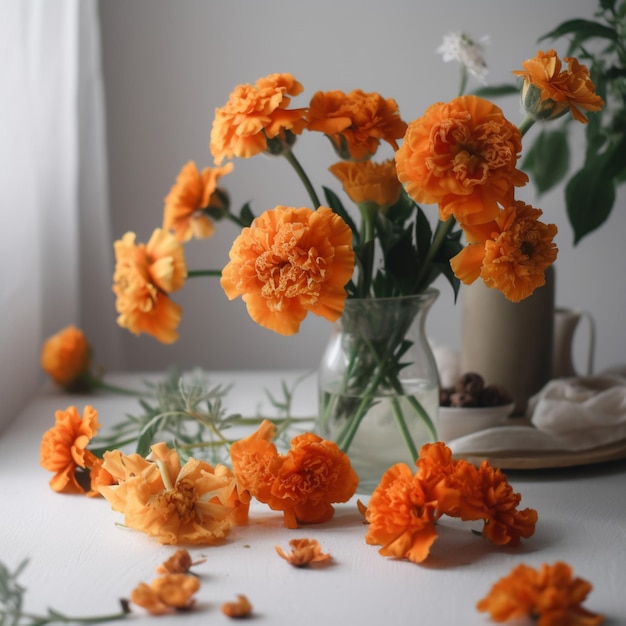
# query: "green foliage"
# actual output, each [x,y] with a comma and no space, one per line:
[188,413]
[590,192]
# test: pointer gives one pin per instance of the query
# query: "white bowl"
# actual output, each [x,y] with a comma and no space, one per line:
[455,422]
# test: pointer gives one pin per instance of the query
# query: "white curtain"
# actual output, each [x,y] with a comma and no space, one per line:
[56,255]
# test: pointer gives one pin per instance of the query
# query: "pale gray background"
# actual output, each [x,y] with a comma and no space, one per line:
[168,64]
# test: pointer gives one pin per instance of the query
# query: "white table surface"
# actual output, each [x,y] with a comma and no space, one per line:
[81,562]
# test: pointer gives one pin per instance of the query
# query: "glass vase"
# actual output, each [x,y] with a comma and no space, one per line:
[378,384]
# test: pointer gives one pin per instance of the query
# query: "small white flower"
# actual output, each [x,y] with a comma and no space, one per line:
[462,48]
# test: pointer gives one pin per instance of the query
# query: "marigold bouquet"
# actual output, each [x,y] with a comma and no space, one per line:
[461,156]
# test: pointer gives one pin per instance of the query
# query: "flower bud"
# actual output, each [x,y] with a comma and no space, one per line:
[538,109]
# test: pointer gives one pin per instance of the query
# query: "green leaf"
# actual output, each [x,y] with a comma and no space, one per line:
[494,91]
[547,160]
[333,201]
[423,234]
[246,215]
[583,30]
[589,195]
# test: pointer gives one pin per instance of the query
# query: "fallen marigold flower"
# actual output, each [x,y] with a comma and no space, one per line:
[166,593]
[304,552]
[404,507]
[549,595]
[66,358]
[240,608]
[302,483]
[193,504]
[179,563]
[64,447]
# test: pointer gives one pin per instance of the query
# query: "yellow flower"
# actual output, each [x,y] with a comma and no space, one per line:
[367,181]
[549,91]
[288,263]
[66,358]
[64,447]
[193,504]
[254,114]
[187,201]
[144,275]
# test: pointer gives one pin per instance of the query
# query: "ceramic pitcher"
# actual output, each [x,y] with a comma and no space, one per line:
[566,322]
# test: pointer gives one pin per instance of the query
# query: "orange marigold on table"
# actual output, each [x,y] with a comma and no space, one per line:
[144,276]
[64,447]
[400,517]
[255,114]
[462,155]
[303,483]
[192,504]
[166,593]
[550,595]
[510,254]
[304,552]
[288,263]
[404,506]
[549,91]
[189,199]
[66,358]
[356,122]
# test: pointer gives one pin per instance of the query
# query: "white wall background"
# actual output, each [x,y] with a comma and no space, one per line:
[168,64]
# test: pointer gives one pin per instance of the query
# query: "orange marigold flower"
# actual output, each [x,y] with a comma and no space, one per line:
[288,263]
[549,91]
[254,114]
[549,595]
[144,275]
[171,591]
[485,494]
[367,181]
[463,156]
[64,447]
[192,504]
[302,483]
[194,192]
[304,552]
[66,358]
[240,608]
[510,254]
[400,516]
[356,122]
[179,563]
[99,477]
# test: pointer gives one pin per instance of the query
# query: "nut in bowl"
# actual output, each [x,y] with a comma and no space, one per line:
[470,406]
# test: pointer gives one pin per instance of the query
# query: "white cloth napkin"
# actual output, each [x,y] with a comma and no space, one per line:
[569,414]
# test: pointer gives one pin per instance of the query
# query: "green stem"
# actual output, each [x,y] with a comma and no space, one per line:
[291,157]
[404,430]
[463,79]
[100,384]
[58,618]
[198,273]
[526,124]
[442,231]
